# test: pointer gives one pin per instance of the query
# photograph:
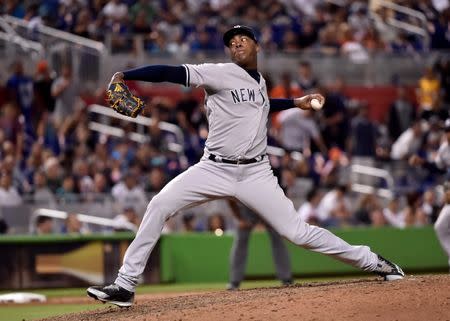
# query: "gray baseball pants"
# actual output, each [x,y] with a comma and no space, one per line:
[256,187]
[238,256]
[442,228]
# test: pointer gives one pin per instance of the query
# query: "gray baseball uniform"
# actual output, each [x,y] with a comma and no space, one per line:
[442,228]
[237,109]
[239,250]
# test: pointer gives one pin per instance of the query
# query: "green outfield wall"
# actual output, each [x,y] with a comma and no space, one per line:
[67,260]
[200,257]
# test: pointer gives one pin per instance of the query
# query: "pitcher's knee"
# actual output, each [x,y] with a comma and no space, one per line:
[159,206]
[295,233]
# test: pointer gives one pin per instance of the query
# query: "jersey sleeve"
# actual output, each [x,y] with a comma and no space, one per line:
[208,76]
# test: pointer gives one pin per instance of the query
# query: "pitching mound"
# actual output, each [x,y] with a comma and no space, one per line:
[414,298]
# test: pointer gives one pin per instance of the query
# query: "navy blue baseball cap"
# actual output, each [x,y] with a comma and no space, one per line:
[238,30]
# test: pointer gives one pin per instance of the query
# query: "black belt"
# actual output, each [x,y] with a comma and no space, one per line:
[217,159]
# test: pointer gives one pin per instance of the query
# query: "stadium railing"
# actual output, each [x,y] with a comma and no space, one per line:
[102,222]
[88,58]
[104,127]
[420,29]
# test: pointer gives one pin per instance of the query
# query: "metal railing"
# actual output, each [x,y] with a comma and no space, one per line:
[55,33]
[402,25]
[87,58]
[370,171]
[138,136]
[83,218]
[13,46]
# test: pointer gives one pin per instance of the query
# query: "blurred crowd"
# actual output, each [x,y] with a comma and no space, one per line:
[190,26]
[50,157]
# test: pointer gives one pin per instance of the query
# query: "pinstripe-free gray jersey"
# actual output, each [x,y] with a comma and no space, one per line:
[237,108]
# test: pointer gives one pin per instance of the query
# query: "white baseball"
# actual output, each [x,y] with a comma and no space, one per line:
[315,104]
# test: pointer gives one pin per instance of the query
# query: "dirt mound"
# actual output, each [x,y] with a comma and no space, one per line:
[414,298]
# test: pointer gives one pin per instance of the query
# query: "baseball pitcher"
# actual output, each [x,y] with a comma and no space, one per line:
[234,164]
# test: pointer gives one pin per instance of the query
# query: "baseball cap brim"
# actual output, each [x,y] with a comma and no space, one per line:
[238,30]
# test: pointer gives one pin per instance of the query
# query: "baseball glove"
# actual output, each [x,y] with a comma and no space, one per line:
[123,101]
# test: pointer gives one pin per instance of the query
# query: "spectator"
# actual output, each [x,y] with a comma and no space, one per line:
[43,80]
[11,166]
[439,162]
[42,195]
[286,88]
[429,206]
[144,7]
[305,78]
[14,8]
[334,208]
[188,220]
[401,45]
[362,140]
[372,41]
[9,196]
[442,158]
[115,10]
[369,211]
[359,22]
[72,225]
[67,103]
[44,225]
[21,93]
[297,129]
[393,215]
[202,42]
[84,181]
[83,26]
[216,224]
[127,221]
[334,116]
[11,126]
[308,36]
[156,180]
[141,25]
[129,194]
[53,173]
[409,141]
[289,43]
[443,68]
[428,93]
[67,193]
[100,184]
[353,49]
[401,114]
[377,219]
[308,211]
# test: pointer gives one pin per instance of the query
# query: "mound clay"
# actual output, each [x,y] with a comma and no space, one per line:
[421,298]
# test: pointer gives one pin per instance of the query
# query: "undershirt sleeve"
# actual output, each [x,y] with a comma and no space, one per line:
[158,73]
[277,104]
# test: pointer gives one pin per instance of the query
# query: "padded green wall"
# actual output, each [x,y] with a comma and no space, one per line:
[205,257]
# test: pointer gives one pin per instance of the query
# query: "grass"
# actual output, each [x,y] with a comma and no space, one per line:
[30,312]
[181,287]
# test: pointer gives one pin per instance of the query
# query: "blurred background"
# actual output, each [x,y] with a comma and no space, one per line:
[376,156]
